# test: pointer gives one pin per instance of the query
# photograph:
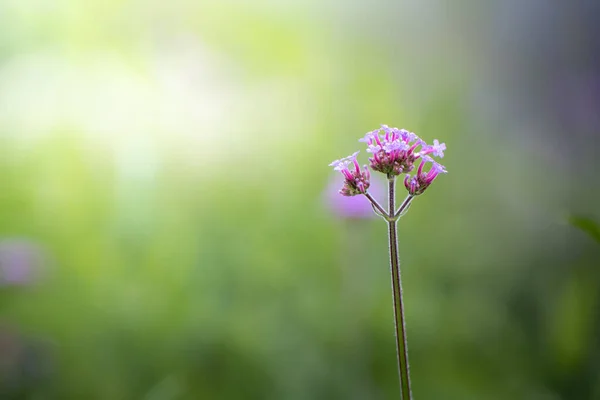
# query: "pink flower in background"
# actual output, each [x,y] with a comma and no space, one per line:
[354,207]
[21,262]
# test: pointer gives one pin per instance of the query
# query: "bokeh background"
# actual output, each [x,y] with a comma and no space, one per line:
[167,224]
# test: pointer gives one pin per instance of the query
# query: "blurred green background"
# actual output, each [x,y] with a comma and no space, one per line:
[167,229]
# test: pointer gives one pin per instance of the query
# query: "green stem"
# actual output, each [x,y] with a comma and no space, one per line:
[404,207]
[377,206]
[399,321]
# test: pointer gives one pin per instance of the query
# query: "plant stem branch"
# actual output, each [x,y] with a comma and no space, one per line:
[376,204]
[404,206]
[399,322]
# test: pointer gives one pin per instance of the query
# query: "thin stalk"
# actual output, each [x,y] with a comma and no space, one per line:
[404,206]
[376,204]
[399,321]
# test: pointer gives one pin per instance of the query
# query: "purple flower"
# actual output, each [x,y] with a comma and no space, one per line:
[356,181]
[392,149]
[408,136]
[373,148]
[369,136]
[20,262]
[437,149]
[417,184]
[395,146]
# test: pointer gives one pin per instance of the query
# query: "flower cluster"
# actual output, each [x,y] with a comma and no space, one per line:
[357,181]
[395,151]
[421,181]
